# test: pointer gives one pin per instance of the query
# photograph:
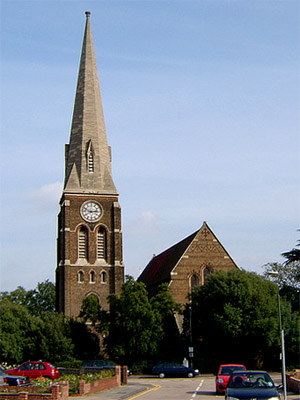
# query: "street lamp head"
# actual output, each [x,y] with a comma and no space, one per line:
[273,273]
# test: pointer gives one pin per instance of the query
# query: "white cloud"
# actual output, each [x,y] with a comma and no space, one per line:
[48,194]
[145,223]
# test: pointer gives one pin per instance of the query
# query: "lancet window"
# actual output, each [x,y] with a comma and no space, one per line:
[80,277]
[103,277]
[101,243]
[82,243]
[206,272]
[194,281]
[92,277]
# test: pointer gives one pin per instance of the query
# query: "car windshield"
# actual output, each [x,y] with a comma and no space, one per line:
[250,379]
[228,370]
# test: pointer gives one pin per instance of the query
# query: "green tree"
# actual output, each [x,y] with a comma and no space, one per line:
[55,341]
[92,312]
[293,256]
[170,343]
[136,323]
[37,300]
[18,296]
[235,316]
[86,342]
[24,336]
[19,332]
[287,273]
[43,298]
[287,276]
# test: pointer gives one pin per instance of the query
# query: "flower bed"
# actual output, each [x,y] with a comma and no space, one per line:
[47,389]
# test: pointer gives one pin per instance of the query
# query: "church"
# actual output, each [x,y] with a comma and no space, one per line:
[89,243]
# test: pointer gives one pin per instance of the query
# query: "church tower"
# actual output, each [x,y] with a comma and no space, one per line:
[89,240]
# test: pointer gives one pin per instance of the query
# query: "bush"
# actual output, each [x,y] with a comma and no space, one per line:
[45,383]
[142,367]
[69,364]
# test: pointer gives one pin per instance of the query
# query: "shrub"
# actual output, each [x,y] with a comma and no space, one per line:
[45,383]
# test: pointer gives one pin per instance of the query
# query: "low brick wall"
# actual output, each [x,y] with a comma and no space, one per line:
[58,392]
[293,381]
[97,386]
[101,384]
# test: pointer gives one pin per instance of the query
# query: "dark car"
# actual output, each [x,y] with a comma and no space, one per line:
[223,375]
[11,380]
[172,369]
[35,369]
[99,364]
[95,365]
[246,385]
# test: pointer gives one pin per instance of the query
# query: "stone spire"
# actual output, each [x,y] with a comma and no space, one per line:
[88,156]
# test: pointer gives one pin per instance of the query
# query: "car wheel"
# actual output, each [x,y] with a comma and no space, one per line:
[162,375]
[190,375]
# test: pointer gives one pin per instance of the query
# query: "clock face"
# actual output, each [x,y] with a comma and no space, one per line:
[91,211]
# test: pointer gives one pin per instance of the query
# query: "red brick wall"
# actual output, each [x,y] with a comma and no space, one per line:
[71,293]
[97,386]
[61,391]
[58,392]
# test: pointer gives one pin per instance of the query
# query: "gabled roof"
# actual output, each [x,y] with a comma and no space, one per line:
[159,268]
[88,156]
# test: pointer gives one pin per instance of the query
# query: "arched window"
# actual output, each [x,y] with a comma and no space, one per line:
[91,307]
[206,272]
[194,281]
[101,244]
[103,277]
[80,277]
[92,277]
[82,243]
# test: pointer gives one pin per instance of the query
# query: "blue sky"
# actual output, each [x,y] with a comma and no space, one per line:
[201,104]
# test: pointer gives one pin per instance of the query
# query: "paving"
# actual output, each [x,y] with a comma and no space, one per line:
[134,388]
[118,393]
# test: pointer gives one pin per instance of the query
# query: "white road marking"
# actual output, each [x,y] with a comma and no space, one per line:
[198,388]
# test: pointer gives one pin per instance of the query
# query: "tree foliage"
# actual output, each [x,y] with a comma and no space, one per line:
[31,329]
[92,312]
[287,276]
[17,331]
[38,300]
[24,336]
[235,316]
[136,324]
[287,273]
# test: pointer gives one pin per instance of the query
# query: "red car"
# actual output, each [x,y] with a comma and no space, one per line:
[223,375]
[35,369]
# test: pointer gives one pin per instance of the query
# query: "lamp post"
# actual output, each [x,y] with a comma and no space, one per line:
[275,273]
[191,348]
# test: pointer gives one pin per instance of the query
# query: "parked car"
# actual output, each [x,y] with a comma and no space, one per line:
[35,369]
[223,375]
[93,365]
[251,385]
[100,364]
[6,379]
[173,369]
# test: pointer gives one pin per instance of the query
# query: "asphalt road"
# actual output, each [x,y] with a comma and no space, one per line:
[153,388]
[201,388]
